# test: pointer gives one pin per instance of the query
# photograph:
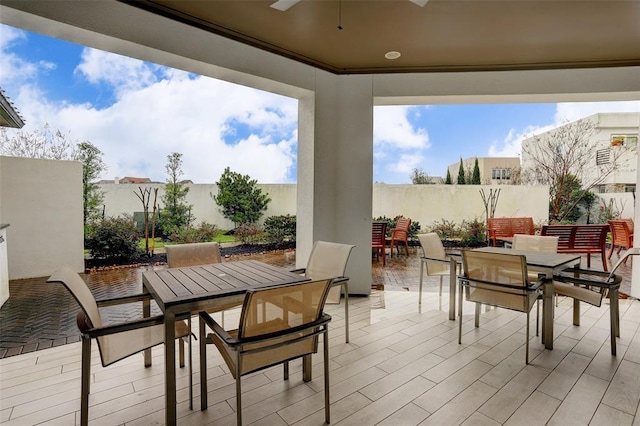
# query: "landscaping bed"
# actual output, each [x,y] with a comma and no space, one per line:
[161,258]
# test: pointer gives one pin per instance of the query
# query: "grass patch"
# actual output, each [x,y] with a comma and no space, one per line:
[221,237]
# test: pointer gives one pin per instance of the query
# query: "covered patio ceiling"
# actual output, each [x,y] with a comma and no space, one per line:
[441,35]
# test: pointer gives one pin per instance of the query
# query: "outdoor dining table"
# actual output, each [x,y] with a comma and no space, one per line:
[547,264]
[181,292]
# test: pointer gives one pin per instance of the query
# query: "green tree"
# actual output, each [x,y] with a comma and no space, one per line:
[448,180]
[475,177]
[176,213]
[240,200]
[92,167]
[461,179]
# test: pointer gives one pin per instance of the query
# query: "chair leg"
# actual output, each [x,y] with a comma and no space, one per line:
[537,317]
[527,343]
[460,289]
[613,314]
[203,365]
[238,393]
[422,266]
[285,367]
[478,309]
[327,402]
[190,368]
[86,379]
[181,346]
[345,289]
[611,251]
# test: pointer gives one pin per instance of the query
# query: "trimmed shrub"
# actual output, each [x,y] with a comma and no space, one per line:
[446,229]
[113,238]
[279,229]
[473,233]
[249,234]
[203,233]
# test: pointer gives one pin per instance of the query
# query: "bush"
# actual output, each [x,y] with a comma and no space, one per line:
[280,228]
[113,238]
[473,233]
[249,234]
[204,233]
[445,229]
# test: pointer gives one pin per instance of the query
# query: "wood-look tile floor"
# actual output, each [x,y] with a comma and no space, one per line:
[402,367]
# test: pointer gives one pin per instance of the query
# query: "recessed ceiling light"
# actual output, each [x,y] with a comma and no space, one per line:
[392,55]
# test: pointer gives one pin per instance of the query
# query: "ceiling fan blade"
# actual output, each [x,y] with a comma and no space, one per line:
[420,3]
[283,5]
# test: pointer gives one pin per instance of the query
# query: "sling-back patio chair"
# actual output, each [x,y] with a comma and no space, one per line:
[115,341]
[195,254]
[435,260]
[329,260]
[277,324]
[500,280]
[593,286]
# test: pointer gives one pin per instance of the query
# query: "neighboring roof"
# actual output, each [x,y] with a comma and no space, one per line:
[433,35]
[9,116]
[131,179]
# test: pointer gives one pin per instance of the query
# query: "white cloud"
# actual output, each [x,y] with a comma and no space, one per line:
[391,126]
[159,111]
[120,72]
[13,69]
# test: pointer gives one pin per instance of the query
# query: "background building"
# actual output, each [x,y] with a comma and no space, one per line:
[493,170]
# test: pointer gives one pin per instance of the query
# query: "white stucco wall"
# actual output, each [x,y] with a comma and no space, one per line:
[423,203]
[42,203]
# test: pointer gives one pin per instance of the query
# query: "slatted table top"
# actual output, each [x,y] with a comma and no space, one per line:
[176,286]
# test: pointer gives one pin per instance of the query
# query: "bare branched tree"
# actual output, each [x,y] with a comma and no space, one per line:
[566,155]
[420,177]
[38,144]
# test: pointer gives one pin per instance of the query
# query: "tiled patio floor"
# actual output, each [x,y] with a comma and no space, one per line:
[39,316]
[402,367]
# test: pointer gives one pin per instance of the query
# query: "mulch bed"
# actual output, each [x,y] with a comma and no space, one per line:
[92,265]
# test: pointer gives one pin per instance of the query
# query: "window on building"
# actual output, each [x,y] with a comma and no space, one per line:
[501,174]
[601,189]
[603,156]
[630,141]
[630,188]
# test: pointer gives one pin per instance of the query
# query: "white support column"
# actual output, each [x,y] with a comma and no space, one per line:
[335,171]
[635,271]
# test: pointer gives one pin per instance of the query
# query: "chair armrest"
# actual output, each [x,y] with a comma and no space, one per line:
[125,326]
[324,319]
[603,281]
[140,297]
[338,281]
[434,259]
[224,335]
[299,270]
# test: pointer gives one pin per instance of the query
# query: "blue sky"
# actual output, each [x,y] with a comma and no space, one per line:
[137,113]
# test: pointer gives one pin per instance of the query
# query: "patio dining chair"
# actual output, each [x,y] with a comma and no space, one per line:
[379,240]
[500,280]
[621,235]
[400,234]
[115,341]
[593,286]
[329,260]
[434,260]
[194,254]
[277,324]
